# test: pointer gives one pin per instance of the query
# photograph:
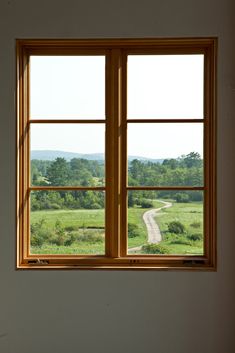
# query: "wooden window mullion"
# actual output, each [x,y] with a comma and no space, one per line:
[113,154]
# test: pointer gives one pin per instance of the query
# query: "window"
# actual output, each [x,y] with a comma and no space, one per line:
[116,154]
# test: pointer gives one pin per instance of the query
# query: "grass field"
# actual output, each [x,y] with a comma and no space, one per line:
[87,228]
[74,249]
[88,221]
[81,223]
[191,216]
[71,218]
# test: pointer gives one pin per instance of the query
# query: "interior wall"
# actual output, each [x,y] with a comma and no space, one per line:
[117,311]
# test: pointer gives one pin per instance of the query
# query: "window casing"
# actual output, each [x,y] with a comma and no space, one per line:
[116,124]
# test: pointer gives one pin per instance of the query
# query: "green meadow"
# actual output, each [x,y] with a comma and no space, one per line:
[82,231]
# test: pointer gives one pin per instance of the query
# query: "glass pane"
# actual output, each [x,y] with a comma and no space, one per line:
[165,222]
[165,154]
[67,222]
[67,87]
[67,154]
[165,86]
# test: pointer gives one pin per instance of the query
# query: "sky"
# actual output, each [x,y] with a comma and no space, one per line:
[159,86]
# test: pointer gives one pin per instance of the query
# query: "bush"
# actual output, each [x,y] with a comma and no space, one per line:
[70,239]
[195,224]
[36,240]
[35,206]
[37,226]
[60,237]
[94,237]
[39,233]
[144,203]
[155,249]
[55,206]
[195,236]
[176,227]
[180,240]
[182,198]
[65,239]
[71,228]
[57,240]
[96,206]
[195,195]
[133,230]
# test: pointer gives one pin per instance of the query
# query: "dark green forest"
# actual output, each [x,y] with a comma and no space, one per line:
[187,170]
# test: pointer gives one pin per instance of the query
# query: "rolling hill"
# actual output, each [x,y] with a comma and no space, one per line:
[50,155]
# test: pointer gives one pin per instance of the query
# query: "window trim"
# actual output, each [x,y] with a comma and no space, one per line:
[116,51]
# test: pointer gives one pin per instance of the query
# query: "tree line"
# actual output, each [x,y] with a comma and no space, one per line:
[186,170]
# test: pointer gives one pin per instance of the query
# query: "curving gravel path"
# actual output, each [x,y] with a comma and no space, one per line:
[154,234]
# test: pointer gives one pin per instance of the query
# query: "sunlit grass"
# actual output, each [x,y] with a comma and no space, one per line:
[189,214]
[74,249]
[70,218]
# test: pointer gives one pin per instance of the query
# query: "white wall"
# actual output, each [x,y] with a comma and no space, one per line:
[101,311]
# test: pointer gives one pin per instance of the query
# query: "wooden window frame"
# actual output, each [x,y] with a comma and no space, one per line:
[116,51]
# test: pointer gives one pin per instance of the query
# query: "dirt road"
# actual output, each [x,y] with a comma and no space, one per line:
[154,234]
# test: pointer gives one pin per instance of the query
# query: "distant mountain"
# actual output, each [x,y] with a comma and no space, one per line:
[50,155]
[145,159]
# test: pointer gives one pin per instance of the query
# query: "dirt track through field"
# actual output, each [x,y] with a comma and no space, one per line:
[154,234]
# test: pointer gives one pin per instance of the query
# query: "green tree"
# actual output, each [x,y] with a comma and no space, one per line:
[58,172]
[193,159]
[170,163]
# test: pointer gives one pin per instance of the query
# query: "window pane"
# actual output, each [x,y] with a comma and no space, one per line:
[67,87]
[67,154]
[165,222]
[165,154]
[67,222]
[165,86]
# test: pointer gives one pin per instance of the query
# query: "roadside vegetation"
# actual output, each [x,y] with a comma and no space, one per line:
[181,228]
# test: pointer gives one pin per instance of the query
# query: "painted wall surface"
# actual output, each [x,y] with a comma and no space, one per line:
[103,312]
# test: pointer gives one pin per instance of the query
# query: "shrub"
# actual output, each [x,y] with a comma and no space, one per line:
[57,240]
[55,206]
[180,240]
[195,195]
[70,239]
[195,224]
[133,230]
[36,240]
[71,228]
[60,236]
[195,236]
[144,203]
[96,206]
[155,249]
[93,237]
[35,206]
[182,198]
[176,227]
[39,233]
[65,239]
